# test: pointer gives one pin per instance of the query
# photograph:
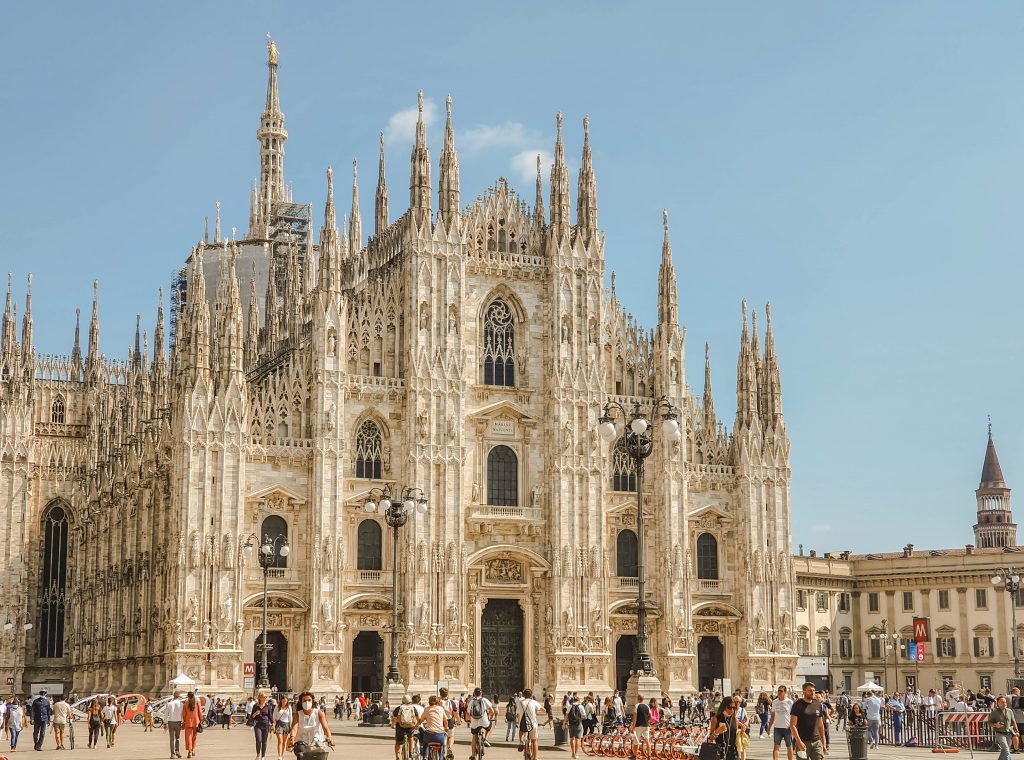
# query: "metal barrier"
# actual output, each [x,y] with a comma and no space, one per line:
[964,730]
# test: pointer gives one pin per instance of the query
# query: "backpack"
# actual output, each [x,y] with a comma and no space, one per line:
[574,715]
[476,708]
[510,713]
[407,716]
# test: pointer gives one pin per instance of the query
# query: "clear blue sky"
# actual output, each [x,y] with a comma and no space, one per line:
[859,165]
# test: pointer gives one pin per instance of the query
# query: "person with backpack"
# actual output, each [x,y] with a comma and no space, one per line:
[451,711]
[481,713]
[842,710]
[526,718]
[572,724]
[510,718]
[405,718]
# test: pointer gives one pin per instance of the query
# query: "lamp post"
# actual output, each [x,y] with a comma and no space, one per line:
[270,550]
[1009,579]
[883,639]
[396,513]
[639,444]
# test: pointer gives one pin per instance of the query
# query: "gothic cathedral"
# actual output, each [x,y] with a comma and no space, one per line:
[460,357]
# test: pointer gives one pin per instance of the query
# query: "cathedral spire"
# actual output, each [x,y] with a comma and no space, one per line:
[746,378]
[708,400]
[27,352]
[355,229]
[771,407]
[76,349]
[328,277]
[198,316]
[159,346]
[538,204]
[216,225]
[559,186]
[93,355]
[137,349]
[272,136]
[668,298]
[419,182]
[380,206]
[448,189]
[9,333]
[586,201]
[229,317]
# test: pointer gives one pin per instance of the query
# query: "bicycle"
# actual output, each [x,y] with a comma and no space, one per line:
[434,751]
[477,734]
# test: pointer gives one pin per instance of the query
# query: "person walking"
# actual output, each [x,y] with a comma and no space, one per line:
[724,729]
[147,717]
[1000,720]
[111,720]
[806,725]
[283,715]
[572,724]
[94,721]
[526,719]
[778,724]
[61,717]
[41,712]
[172,722]
[14,721]
[641,725]
[191,720]
[262,716]
[873,712]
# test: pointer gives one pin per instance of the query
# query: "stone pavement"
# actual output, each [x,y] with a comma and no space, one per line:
[366,744]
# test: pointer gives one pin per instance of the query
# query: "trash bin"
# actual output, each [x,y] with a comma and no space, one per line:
[559,733]
[857,738]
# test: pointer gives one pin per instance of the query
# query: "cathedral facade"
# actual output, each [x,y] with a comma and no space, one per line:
[462,354]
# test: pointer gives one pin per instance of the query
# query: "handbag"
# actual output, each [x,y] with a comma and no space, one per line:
[708,751]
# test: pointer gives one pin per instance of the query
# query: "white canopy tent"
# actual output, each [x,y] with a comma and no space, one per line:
[870,687]
[182,680]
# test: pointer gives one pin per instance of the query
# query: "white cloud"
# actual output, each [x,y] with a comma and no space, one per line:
[524,165]
[511,134]
[402,124]
[821,528]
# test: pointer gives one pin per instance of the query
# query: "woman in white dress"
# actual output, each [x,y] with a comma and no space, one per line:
[309,726]
[283,716]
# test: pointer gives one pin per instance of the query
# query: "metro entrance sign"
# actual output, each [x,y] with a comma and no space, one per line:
[920,629]
[920,652]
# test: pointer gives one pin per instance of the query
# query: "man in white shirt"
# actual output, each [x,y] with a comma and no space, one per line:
[481,714]
[781,707]
[526,719]
[617,702]
[171,714]
[873,714]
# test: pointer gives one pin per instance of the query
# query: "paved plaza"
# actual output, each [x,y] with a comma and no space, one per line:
[365,744]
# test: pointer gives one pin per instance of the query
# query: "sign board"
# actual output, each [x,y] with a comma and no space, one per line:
[812,666]
[911,682]
[249,683]
[10,680]
[921,629]
[249,669]
[920,652]
[912,652]
[986,682]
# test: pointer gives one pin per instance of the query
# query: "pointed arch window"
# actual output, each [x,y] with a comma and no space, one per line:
[502,477]
[273,527]
[369,448]
[368,546]
[626,554]
[707,557]
[57,415]
[623,468]
[498,350]
[54,577]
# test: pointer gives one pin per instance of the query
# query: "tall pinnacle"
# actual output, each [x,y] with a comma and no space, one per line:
[668,298]
[94,327]
[330,254]
[771,406]
[709,401]
[9,333]
[76,349]
[380,206]
[419,178]
[355,222]
[448,189]
[272,136]
[559,186]
[746,378]
[538,204]
[159,347]
[26,326]
[586,201]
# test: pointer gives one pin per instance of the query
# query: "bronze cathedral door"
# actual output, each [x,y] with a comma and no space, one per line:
[501,648]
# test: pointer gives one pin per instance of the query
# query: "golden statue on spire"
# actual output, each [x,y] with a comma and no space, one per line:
[271,50]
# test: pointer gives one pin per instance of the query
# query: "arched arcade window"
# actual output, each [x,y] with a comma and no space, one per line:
[626,555]
[707,557]
[54,577]
[368,546]
[623,468]
[271,528]
[499,345]
[502,477]
[57,411]
[369,448]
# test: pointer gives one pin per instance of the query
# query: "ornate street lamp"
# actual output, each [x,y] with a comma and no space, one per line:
[270,550]
[639,444]
[396,513]
[884,638]
[1009,579]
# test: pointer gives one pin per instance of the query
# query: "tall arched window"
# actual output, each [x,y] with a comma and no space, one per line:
[707,557]
[369,445]
[368,546]
[626,554]
[273,527]
[623,468]
[54,576]
[502,477]
[57,411]
[499,345]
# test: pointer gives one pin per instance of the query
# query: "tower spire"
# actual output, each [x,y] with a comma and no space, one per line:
[771,407]
[746,378]
[538,204]
[272,136]
[419,183]
[216,225]
[26,331]
[995,527]
[380,206]
[9,334]
[559,186]
[93,355]
[329,251]
[159,346]
[586,201]
[76,349]
[709,402]
[355,229]
[668,297]
[448,189]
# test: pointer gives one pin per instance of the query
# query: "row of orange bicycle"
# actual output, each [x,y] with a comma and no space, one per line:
[664,743]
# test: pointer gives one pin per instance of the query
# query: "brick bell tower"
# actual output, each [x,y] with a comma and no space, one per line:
[995,527]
